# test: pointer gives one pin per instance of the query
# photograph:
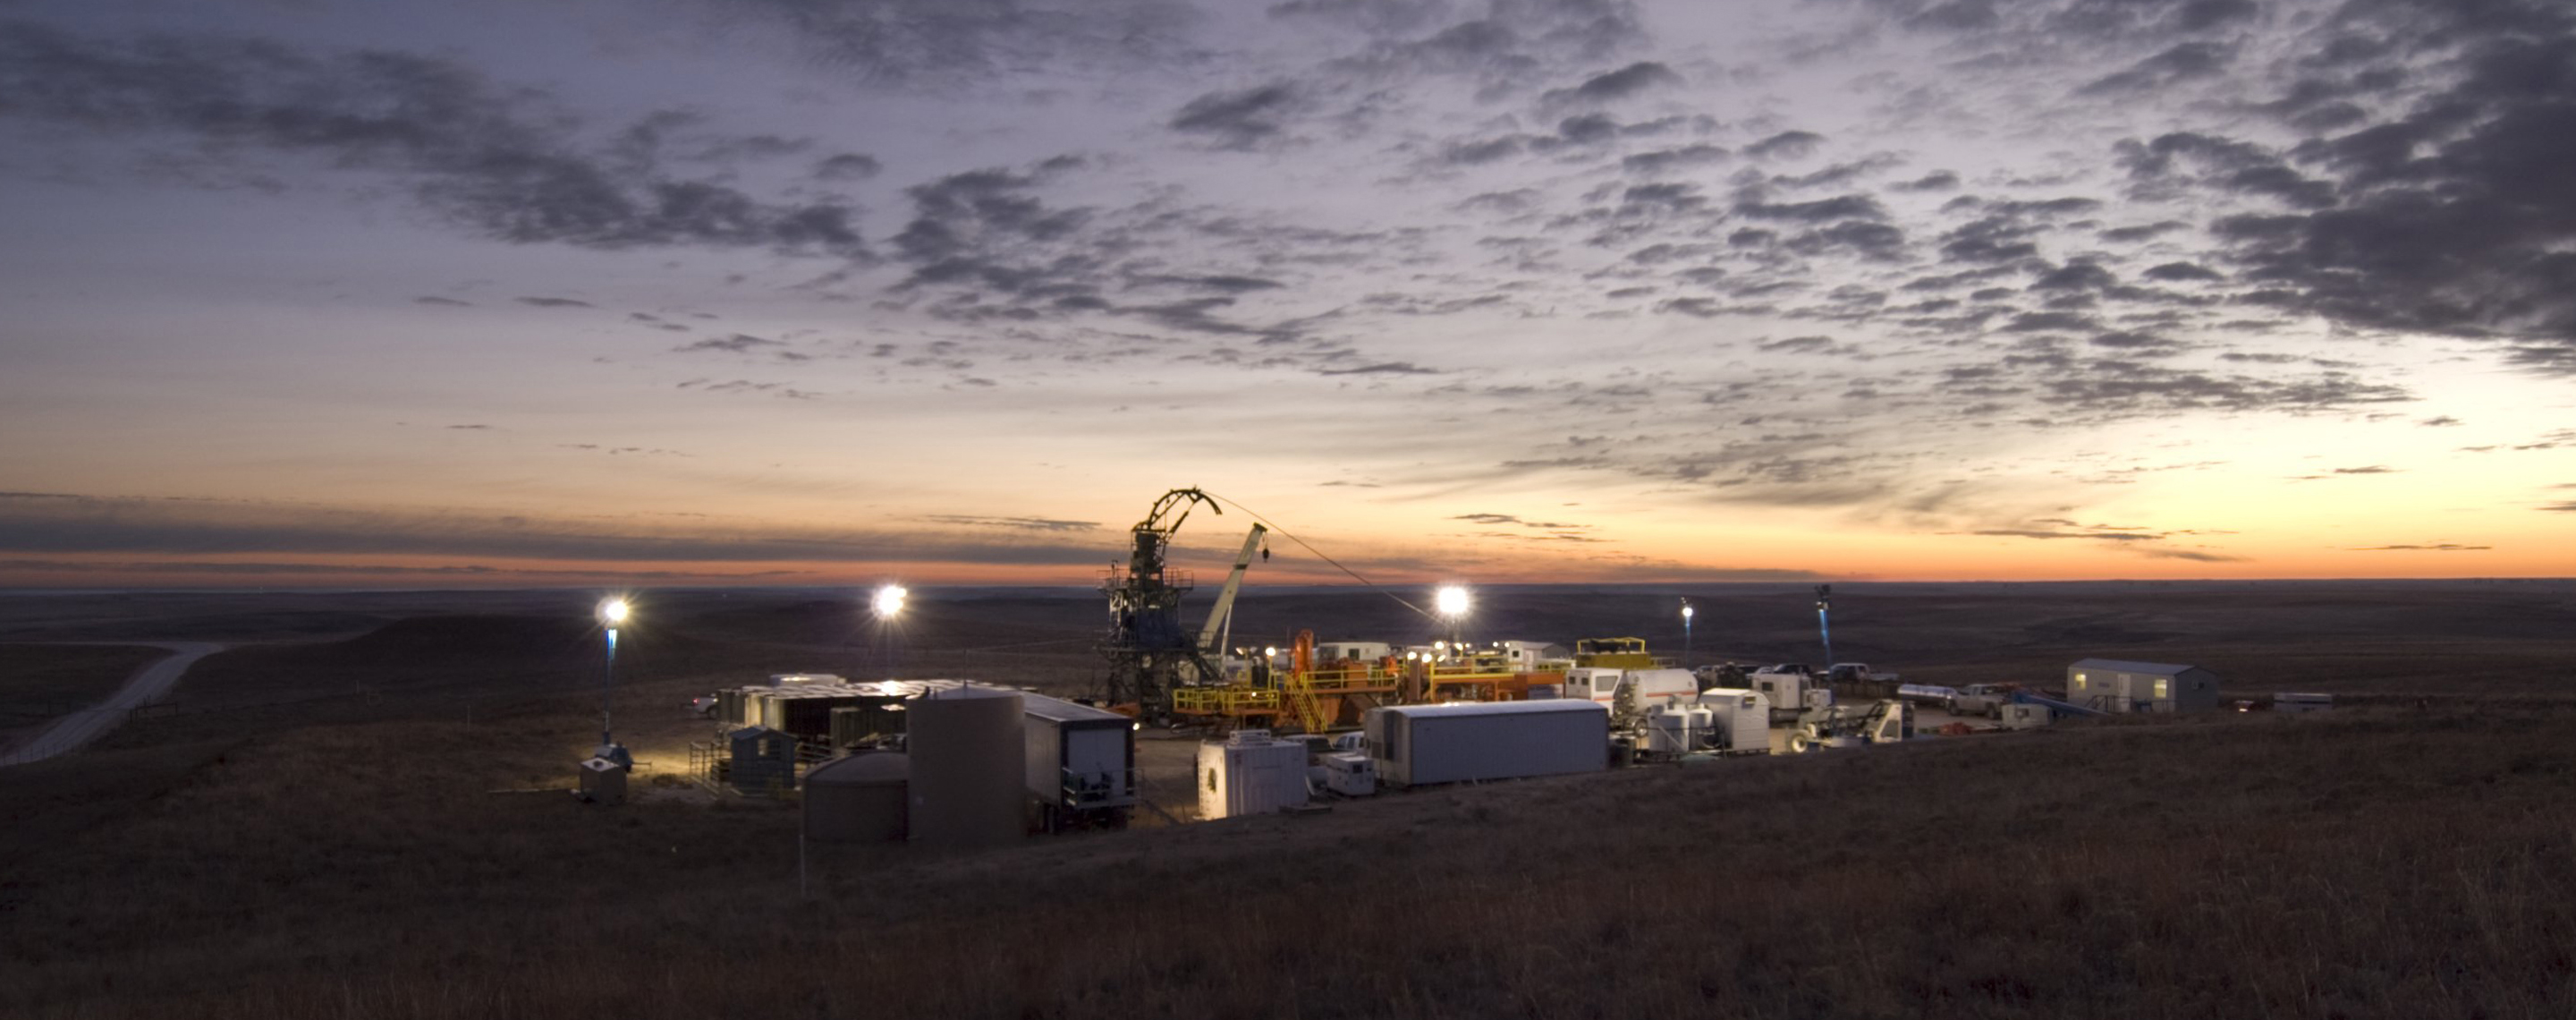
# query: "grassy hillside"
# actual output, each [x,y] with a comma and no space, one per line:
[2371,863]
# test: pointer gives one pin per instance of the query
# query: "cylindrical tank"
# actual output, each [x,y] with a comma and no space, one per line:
[859,799]
[968,763]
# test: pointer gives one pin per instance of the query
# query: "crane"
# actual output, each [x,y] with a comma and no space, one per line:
[1147,647]
[1221,618]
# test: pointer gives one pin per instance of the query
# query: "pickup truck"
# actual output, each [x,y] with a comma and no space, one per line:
[1842,672]
[1981,699]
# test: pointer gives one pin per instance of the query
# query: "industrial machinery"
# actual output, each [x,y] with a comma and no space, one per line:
[1882,722]
[1150,653]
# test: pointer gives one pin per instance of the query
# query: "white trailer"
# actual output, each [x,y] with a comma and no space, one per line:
[1415,745]
[1251,774]
[1654,686]
[1743,719]
[1081,760]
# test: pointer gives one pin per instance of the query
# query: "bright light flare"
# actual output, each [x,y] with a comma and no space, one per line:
[1451,600]
[1686,610]
[614,612]
[888,602]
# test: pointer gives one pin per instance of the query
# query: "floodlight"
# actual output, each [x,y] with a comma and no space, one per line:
[1451,600]
[889,601]
[613,612]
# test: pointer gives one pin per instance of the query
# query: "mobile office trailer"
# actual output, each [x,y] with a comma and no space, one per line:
[1654,686]
[1081,761]
[1415,745]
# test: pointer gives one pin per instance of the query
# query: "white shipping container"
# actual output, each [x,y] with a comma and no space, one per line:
[1743,718]
[1419,744]
[1250,774]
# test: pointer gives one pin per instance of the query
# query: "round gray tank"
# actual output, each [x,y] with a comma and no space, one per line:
[859,799]
[968,759]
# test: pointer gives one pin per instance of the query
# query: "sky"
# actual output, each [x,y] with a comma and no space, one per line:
[324,293]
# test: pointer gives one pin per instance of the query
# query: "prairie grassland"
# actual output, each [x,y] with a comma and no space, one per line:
[2368,863]
[39,682]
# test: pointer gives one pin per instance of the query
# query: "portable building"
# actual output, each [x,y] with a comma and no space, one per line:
[760,760]
[1081,759]
[968,763]
[1328,653]
[2116,685]
[1742,718]
[603,781]
[858,799]
[1415,745]
[1250,774]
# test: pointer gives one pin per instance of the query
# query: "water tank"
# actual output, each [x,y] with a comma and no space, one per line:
[859,799]
[968,760]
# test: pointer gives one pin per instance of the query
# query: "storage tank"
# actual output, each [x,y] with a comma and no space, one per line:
[859,799]
[969,763]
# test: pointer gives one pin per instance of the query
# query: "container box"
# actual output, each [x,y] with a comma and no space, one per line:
[1250,774]
[1414,745]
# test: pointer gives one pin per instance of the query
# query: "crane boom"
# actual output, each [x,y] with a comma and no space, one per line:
[1224,609]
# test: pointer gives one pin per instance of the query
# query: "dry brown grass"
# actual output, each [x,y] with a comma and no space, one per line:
[42,681]
[2366,864]
[351,862]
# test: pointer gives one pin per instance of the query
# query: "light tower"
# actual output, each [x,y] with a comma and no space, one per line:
[1824,625]
[1451,601]
[613,614]
[886,605]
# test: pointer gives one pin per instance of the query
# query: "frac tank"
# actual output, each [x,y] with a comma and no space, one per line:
[968,759]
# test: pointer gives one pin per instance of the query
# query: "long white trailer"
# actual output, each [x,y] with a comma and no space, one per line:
[1415,745]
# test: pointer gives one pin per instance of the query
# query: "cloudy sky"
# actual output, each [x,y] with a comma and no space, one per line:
[825,291]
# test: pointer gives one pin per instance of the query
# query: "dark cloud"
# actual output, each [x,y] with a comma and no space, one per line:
[2442,547]
[1786,145]
[168,527]
[1238,119]
[848,166]
[2374,469]
[1938,180]
[2183,62]
[1682,158]
[446,302]
[1381,368]
[1844,207]
[1012,523]
[739,343]
[1620,84]
[554,302]
[2452,215]
[946,43]
[491,159]
[2180,271]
